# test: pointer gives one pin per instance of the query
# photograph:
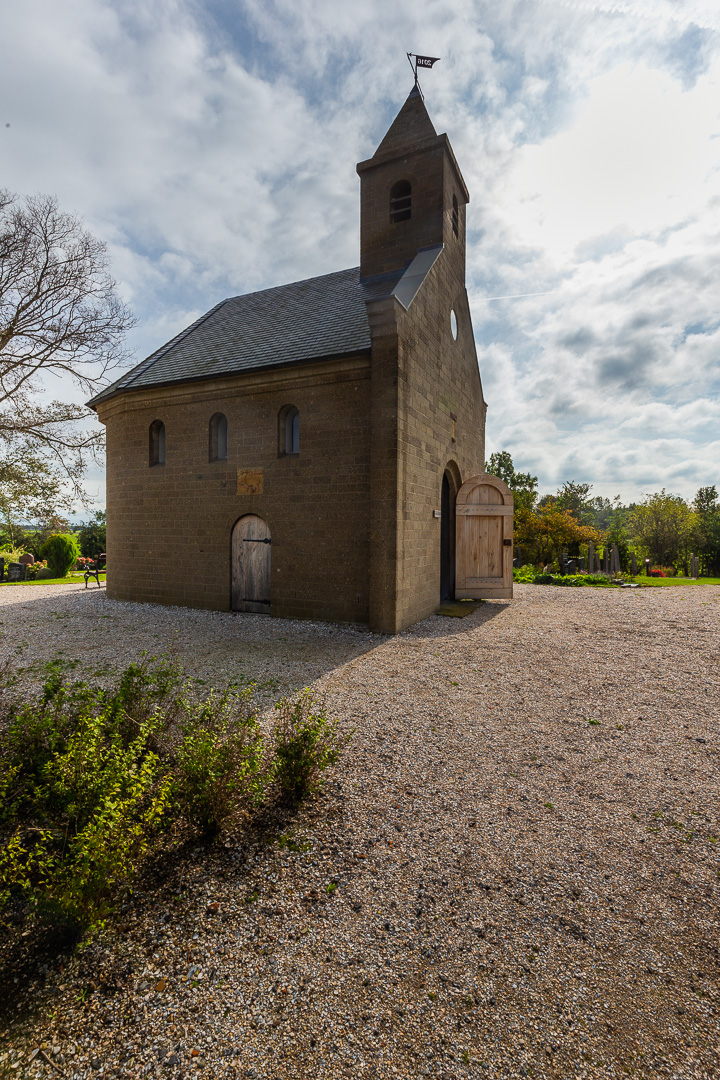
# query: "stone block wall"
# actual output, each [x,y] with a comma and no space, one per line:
[438,379]
[169,526]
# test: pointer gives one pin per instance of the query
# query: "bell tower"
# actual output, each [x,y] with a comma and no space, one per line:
[412,195]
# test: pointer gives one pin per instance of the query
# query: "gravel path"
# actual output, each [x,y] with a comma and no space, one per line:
[513,872]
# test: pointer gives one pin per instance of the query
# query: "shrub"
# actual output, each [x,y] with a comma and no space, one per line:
[526,573]
[92,778]
[566,581]
[219,760]
[83,791]
[61,551]
[306,743]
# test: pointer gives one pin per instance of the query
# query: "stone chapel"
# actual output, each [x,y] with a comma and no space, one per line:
[298,451]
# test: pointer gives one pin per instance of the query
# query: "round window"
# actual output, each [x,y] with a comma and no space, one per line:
[453,324]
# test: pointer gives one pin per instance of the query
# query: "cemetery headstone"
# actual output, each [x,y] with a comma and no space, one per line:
[16,571]
[591,557]
[2,569]
[27,558]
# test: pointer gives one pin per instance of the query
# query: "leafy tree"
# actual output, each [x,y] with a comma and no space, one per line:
[59,315]
[665,528]
[30,491]
[576,498]
[550,529]
[707,511]
[91,535]
[524,486]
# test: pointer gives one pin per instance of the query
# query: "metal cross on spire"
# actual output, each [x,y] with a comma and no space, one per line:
[420,62]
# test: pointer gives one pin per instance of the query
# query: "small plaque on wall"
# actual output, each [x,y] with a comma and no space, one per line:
[250,482]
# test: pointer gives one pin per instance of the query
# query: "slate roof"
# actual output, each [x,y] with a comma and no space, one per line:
[307,320]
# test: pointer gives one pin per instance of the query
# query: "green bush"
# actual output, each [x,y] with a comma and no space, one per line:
[61,552]
[91,779]
[526,573]
[306,743]
[219,762]
[529,575]
[83,790]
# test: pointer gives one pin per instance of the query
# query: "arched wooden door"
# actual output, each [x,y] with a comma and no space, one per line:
[251,565]
[484,530]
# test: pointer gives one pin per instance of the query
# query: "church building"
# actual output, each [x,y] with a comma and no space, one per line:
[298,451]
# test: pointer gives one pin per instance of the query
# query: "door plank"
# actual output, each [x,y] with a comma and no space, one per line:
[251,565]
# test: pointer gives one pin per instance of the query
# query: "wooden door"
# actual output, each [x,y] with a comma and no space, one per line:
[484,529]
[251,565]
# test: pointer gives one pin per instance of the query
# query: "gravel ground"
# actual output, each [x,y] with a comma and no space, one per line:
[513,871]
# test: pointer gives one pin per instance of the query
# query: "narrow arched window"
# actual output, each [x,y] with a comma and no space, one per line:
[157,443]
[455,216]
[218,437]
[288,430]
[292,432]
[400,201]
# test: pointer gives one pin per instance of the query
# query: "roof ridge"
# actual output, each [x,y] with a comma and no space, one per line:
[288,284]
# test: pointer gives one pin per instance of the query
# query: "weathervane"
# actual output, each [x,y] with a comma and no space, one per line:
[420,61]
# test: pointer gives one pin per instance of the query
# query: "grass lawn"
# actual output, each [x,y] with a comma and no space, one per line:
[642,580]
[71,579]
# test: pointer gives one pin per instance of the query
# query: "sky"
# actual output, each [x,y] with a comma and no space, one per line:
[212,145]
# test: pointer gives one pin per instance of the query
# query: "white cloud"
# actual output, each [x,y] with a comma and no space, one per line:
[213,146]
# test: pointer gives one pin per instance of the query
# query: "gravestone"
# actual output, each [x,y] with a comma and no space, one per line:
[581,564]
[27,558]
[2,569]
[614,560]
[572,566]
[16,571]
[591,557]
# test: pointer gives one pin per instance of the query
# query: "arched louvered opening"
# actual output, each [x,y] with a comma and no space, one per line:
[401,201]
[218,437]
[157,443]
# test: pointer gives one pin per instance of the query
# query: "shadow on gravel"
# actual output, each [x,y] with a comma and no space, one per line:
[440,626]
[31,951]
[100,636]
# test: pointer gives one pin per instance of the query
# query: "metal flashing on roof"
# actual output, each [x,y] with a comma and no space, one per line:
[409,284]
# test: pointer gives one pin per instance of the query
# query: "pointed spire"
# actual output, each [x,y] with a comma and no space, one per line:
[411,128]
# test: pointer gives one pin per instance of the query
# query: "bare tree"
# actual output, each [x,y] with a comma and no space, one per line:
[59,315]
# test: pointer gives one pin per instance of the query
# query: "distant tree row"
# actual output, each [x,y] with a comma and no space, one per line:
[663,527]
[90,535]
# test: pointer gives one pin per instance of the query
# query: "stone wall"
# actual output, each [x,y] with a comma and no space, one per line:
[434,379]
[169,526]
